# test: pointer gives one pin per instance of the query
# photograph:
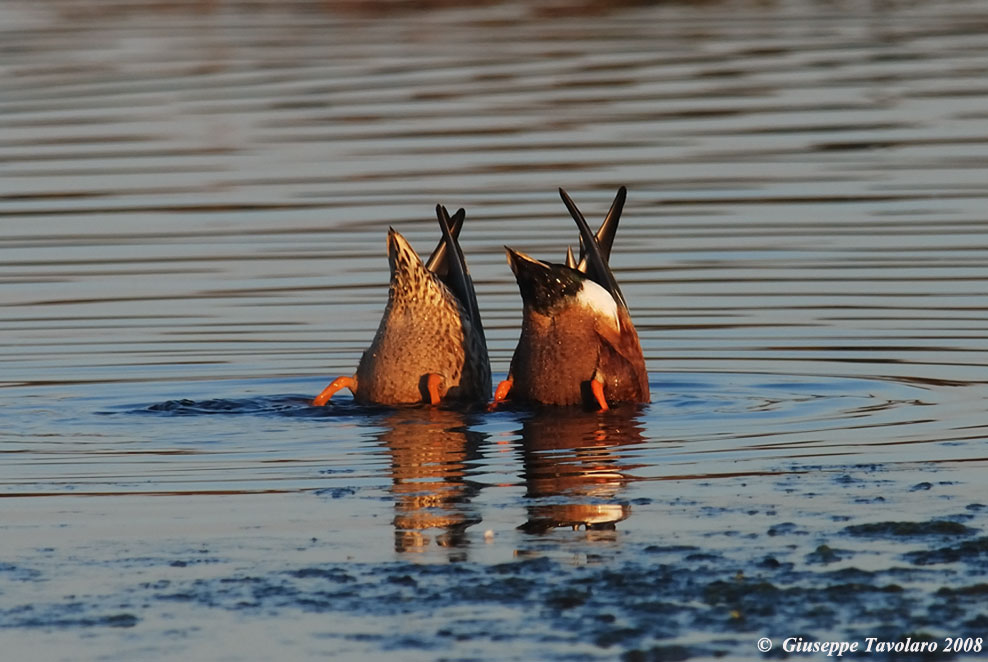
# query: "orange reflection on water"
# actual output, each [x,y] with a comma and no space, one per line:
[430,453]
[579,457]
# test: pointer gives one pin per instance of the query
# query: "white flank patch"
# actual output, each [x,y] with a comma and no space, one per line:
[599,300]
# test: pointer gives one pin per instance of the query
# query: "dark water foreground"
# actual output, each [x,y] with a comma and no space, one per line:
[734,507]
[193,205]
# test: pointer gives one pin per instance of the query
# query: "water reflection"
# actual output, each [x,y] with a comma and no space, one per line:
[431,452]
[576,466]
[192,210]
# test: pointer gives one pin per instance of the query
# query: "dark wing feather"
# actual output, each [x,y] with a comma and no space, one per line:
[606,231]
[457,276]
[597,268]
[437,262]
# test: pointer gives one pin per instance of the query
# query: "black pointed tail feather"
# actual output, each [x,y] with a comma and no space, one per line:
[605,234]
[607,230]
[437,261]
[457,277]
[598,269]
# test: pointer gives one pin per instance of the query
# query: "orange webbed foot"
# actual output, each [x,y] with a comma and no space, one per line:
[597,388]
[432,384]
[501,393]
[338,384]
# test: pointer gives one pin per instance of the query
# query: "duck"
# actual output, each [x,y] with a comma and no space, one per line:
[430,346]
[578,345]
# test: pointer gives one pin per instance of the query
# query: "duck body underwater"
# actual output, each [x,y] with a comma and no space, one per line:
[430,345]
[578,345]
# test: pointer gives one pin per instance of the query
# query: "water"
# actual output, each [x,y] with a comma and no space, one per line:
[193,212]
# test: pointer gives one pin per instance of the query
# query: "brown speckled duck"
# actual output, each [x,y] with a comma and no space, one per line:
[578,344]
[430,345]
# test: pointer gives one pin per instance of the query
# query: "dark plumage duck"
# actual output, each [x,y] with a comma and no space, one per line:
[578,344]
[430,345]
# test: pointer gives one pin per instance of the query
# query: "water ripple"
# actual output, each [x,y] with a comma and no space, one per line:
[194,203]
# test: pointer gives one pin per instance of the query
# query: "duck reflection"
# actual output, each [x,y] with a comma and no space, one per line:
[431,453]
[574,467]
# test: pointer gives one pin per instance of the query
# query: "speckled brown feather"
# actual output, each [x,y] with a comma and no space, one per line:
[425,329]
[565,343]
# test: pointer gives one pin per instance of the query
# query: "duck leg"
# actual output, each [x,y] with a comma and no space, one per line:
[338,384]
[432,383]
[501,393]
[597,388]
